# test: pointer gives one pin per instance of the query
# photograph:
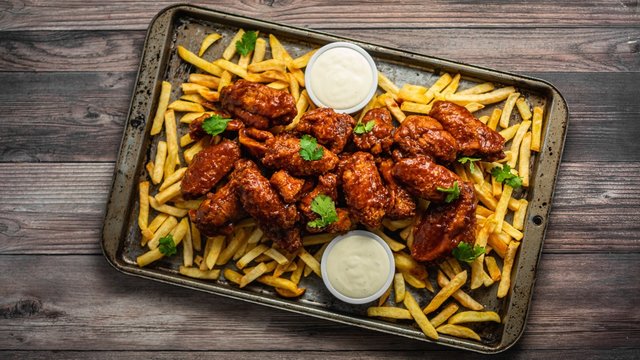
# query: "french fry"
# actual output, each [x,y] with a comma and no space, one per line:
[394,245]
[486,197]
[192,88]
[214,252]
[208,41]
[394,225]
[499,246]
[389,312]
[462,297]
[414,93]
[477,89]
[413,107]
[237,239]
[199,62]
[148,233]
[501,208]
[290,294]
[149,168]
[199,274]
[232,276]
[143,214]
[317,239]
[280,283]
[414,281]
[187,204]
[279,85]
[393,107]
[225,79]
[301,105]
[474,316]
[194,150]
[507,109]
[492,267]
[297,273]
[302,61]
[509,132]
[455,265]
[195,238]
[185,140]
[169,193]
[167,209]
[458,331]
[233,68]
[524,159]
[189,117]
[185,106]
[277,256]
[387,85]
[259,51]
[505,280]
[445,292]
[158,167]
[255,273]
[187,249]
[310,261]
[494,119]
[210,95]
[511,231]
[496,187]
[194,98]
[198,261]
[453,87]
[271,64]
[164,230]
[206,80]
[439,85]
[484,99]
[172,143]
[444,315]
[255,236]
[446,269]
[385,296]
[414,309]
[517,140]
[398,287]
[244,60]
[230,50]
[520,214]
[249,256]
[523,108]
[163,102]
[536,129]
[155,254]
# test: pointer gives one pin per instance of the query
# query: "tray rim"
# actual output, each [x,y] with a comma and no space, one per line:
[558,117]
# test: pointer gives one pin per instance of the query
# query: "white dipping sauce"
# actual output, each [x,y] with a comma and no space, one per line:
[341,78]
[358,266]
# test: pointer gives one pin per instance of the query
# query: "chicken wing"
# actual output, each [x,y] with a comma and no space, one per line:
[289,187]
[218,210]
[196,131]
[473,137]
[367,198]
[380,138]
[443,226]
[402,204]
[258,105]
[330,128]
[208,167]
[283,152]
[422,177]
[424,135]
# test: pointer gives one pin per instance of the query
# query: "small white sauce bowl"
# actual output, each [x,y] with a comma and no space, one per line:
[379,292]
[309,81]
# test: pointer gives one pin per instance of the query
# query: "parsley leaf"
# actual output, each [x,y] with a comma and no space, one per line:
[326,208]
[364,128]
[452,192]
[464,160]
[464,252]
[504,175]
[248,42]
[309,149]
[215,125]
[167,247]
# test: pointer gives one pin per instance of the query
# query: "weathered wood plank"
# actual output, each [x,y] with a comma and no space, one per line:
[538,49]
[67,302]
[338,14]
[619,354]
[59,208]
[45,108]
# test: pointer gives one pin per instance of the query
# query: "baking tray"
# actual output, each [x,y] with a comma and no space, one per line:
[186,25]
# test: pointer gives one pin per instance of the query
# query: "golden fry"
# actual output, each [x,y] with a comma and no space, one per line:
[255,273]
[501,208]
[208,40]
[520,214]
[168,193]
[484,99]
[536,129]
[249,256]
[494,119]
[230,50]
[214,251]
[505,281]
[389,312]
[523,108]
[444,315]
[387,85]
[199,274]
[446,291]
[413,107]
[237,239]
[525,158]
[143,214]
[167,209]
[399,287]
[259,51]
[492,267]
[301,62]
[394,245]
[477,89]
[453,87]
[412,305]
[393,107]
[462,297]
[458,331]
[185,106]
[310,261]
[163,102]
[517,140]
[199,62]
[474,316]
[206,80]
[507,109]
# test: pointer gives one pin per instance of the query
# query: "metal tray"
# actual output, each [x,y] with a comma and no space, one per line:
[186,25]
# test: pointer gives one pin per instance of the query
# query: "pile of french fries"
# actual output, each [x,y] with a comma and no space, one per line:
[246,255]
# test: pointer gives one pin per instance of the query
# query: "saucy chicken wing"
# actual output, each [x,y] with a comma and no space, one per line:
[208,167]
[473,137]
[283,152]
[290,188]
[196,131]
[367,198]
[327,185]
[380,138]
[330,128]
[424,135]
[258,105]
[443,226]
[401,204]
[422,177]
[218,210]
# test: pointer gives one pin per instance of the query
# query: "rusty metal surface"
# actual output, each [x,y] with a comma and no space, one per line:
[187,25]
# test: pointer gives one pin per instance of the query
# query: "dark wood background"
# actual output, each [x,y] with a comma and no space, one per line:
[67,70]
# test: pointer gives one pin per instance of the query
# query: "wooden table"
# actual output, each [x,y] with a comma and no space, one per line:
[67,72]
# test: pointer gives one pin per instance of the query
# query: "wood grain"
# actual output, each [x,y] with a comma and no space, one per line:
[574,49]
[72,14]
[603,115]
[59,208]
[45,310]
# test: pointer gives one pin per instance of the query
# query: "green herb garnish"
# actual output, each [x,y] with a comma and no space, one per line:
[167,247]
[215,125]
[326,208]
[452,192]
[364,128]
[248,42]
[504,174]
[464,160]
[464,252]
[309,148]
